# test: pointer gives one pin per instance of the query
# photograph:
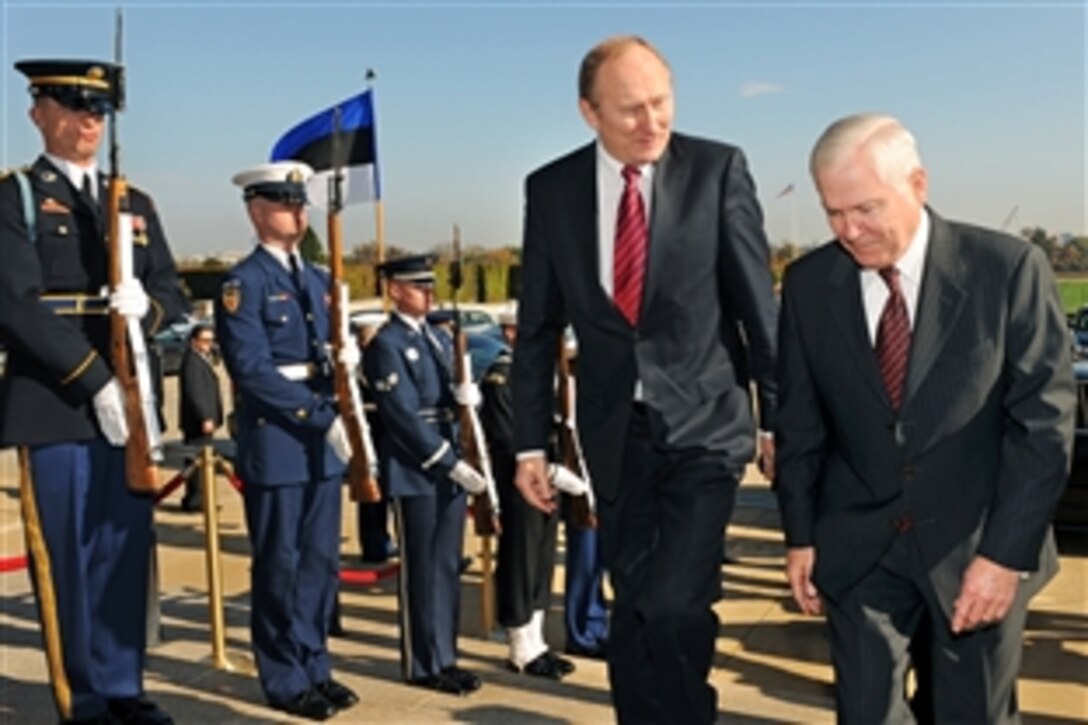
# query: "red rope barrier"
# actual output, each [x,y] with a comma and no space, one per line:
[171,486]
[366,577]
[12,563]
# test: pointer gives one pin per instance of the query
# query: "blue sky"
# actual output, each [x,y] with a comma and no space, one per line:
[472,96]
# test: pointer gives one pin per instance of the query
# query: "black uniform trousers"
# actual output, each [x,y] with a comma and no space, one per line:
[294,532]
[430,531]
[87,536]
[971,677]
[661,543]
[526,559]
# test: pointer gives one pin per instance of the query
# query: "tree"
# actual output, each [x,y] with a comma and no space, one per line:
[311,248]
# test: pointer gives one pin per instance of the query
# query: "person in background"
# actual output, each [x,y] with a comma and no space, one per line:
[89,537]
[199,401]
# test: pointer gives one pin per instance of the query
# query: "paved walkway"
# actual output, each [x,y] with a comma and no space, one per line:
[771,663]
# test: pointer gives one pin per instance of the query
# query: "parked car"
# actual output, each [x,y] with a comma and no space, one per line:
[170,344]
[1073,508]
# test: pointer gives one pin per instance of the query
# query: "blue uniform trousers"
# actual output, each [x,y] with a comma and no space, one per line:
[89,540]
[294,532]
[430,531]
[584,609]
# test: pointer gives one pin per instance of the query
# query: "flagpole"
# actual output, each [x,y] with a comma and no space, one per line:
[379,205]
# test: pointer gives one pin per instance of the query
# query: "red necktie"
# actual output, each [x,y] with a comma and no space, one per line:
[893,338]
[629,252]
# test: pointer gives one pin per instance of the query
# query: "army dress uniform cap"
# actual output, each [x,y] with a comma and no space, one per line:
[416,269]
[280,181]
[79,85]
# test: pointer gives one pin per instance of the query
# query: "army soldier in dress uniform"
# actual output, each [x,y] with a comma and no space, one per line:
[273,325]
[408,368]
[526,561]
[88,536]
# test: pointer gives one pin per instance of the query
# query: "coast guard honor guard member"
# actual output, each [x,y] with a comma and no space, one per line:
[408,368]
[273,326]
[89,537]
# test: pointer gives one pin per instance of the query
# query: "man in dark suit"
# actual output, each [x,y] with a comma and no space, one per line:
[88,535]
[199,401]
[273,324]
[651,244]
[924,434]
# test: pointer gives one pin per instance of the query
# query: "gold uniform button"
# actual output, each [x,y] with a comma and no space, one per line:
[301,413]
[62,229]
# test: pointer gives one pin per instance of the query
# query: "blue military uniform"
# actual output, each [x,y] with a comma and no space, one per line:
[88,536]
[273,328]
[408,368]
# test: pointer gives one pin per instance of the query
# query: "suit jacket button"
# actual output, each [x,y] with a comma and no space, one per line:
[908,472]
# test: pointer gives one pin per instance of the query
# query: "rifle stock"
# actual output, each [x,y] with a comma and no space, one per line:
[141,472]
[583,510]
[485,506]
[362,478]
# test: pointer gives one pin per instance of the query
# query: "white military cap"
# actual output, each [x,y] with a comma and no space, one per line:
[282,181]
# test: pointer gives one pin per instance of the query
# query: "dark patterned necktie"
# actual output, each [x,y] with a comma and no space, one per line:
[87,192]
[629,252]
[893,338]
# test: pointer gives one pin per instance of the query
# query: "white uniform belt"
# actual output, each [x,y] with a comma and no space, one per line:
[298,371]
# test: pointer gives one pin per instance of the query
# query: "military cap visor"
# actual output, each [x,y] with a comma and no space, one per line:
[283,182]
[79,85]
[415,269]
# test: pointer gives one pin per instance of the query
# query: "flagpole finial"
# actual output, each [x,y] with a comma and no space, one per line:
[371,76]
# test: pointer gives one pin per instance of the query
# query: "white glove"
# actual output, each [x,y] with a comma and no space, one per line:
[337,438]
[109,408]
[566,481]
[129,299]
[468,478]
[349,355]
[467,394]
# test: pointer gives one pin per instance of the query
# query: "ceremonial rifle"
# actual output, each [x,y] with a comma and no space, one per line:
[363,467]
[583,509]
[485,506]
[128,348]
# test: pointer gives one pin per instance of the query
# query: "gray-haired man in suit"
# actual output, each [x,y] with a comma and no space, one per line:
[651,244]
[924,433]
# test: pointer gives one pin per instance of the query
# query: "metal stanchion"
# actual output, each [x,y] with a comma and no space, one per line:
[208,461]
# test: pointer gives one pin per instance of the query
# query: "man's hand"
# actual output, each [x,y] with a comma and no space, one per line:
[799,564]
[986,594]
[109,408]
[337,437]
[207,427]
[532,480]
[129,299]
[765,456]
[468,478]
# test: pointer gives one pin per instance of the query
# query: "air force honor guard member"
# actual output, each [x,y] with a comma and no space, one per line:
[274,330]
[88,536]
[408,368]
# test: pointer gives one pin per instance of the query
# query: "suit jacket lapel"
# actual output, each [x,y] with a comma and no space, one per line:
[940,302]
[669,176]
[846,307]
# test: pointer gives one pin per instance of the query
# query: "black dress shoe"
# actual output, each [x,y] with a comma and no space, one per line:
[105,718]
[467,681]
[137,711]
[562,664]
[541,666]
[593,653]
[309,704]
[341,696]
[440,682]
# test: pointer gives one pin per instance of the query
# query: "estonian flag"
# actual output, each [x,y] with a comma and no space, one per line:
[311,142]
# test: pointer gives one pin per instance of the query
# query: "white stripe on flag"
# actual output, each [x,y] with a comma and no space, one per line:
[358,186]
